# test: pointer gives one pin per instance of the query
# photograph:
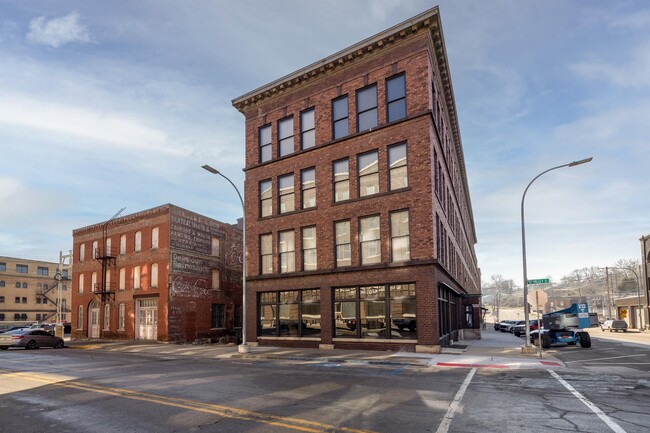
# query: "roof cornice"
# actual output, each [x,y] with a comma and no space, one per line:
[425,20]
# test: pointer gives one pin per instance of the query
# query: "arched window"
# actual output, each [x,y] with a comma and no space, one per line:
[95,248]
[138,241]
[123,244]
[2,283]
[80,317]
[154,275]
[120,318]
[24,285]
[122,279]
[82,252]
[154,238]
[18,285]
[80,289]
[107,317]
[93,282]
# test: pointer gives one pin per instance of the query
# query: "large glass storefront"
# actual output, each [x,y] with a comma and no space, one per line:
[291,313]
[375,312]
[448,302]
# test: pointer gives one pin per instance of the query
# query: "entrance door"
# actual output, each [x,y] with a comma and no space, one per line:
[93,321]
[147,319]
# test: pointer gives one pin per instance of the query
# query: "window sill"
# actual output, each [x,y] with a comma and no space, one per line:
[267,338]
[373,340]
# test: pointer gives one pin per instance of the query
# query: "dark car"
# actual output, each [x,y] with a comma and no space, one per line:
[614,325]
[520,330]
[29,339]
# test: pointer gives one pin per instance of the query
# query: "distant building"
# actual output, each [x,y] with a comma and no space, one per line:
[165,274]
[29,292]
[360,231]
[645,263]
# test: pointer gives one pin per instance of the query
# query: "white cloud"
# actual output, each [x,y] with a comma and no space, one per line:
[635,21]
[58,31]
[630,73]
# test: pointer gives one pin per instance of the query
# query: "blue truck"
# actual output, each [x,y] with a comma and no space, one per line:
[565,327]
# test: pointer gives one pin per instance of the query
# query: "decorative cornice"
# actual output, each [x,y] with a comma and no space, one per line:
[429,19]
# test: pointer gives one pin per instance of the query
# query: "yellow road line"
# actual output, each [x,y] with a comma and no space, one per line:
[225,411]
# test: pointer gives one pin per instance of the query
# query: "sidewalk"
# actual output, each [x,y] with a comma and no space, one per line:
[495,350]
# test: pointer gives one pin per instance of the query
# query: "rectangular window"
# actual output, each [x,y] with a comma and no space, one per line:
[123,244]
[82,252]
[107,317]
[2,299]
[367,108]
[154,238]
[136,277]
[108,280]
[369,240]
[295,313]
[218,316]
[80,289]
[24,300]
[42,271]
[216,279]
[216,246]
[307,129]
[22,269]
[287,196]
[154,275]
[122,279]
[94,251]
[138,241]
[93,282]
[396,98]
[266,198]
[120,318]
[402,311]
[80,317]
[368,171]
[341,173]
[340,117]
[400,241]
[287,250]
[285,136]
[308,187]
[17,300]
[266,254]
[3,267]
[107,251]
[265,143]
[343,247]
[309,248]
[398,172]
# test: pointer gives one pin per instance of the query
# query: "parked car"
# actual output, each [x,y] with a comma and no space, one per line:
[29,339]
[614,325]
[520,329]
[507,325]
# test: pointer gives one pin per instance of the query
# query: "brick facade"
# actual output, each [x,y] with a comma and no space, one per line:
[180,302]
[441,259]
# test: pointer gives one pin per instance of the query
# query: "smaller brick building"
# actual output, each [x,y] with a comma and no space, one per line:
[164,274]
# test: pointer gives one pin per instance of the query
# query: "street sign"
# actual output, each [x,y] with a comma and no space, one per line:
[539,281]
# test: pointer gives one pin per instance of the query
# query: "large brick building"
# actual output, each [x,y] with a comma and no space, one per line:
[359,228]
[163,274]
[29,292]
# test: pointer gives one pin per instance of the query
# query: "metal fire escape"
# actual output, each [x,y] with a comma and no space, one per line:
[107,256]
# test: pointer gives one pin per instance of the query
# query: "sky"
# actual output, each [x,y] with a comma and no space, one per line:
[105,105]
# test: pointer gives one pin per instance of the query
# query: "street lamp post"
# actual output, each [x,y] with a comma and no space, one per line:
[243,347]
[527,347]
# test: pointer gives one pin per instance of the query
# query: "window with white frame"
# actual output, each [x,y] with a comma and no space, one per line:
[309,248]
[287,249]
[93,282]
[138,241]
[285,136]
[154,275]
[341,173]
[93,253]
[368,170]
[343,246]
[108,279]
[400,240]
[154,237]
[82,252]
[136,277]
[369,240]
[80,289]
[120,317]
[398,171]
[122,279]
[287,199]
[266,198]
[308,187]
[123,244]
[265,143]
[307,129]
[108,251]
[266,254]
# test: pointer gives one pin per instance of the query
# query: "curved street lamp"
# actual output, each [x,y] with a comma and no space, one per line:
[243,347]
[523,245]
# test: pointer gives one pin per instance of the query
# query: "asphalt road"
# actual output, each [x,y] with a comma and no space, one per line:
[603,389]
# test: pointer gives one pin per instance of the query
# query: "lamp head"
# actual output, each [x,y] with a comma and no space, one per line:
[210,169]
[574,163]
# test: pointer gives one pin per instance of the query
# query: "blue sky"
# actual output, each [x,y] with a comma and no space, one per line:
[112,104]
